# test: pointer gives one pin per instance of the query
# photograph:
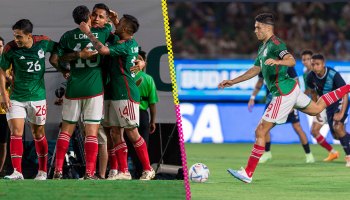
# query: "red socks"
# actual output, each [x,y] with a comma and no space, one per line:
[254,159]
[322,141]
[113,162]
[91,150]
[121,152]
[142,153]
[335,95]
[61,150]
[41,148]
[16,150]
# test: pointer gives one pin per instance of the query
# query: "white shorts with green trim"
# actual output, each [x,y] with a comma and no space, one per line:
[34,111]
[322,119]
[91,110]
[124,113]
[278,110]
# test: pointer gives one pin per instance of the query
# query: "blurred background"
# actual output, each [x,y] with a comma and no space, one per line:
[213,41]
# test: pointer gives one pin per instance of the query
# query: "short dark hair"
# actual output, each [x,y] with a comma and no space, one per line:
[25,25]
[103,7]
[265,18]
[81,14]
[318,57]
[307,52]
[131,22]
[2,39]
[143,54]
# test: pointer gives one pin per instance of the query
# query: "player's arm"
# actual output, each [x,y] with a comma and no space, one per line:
[5,100]
[113,16]
[102,49]
[338,82]
[153,112]
[287,60]
[253,71]
[86,53]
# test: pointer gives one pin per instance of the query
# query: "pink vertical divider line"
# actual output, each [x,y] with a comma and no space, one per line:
[175,95]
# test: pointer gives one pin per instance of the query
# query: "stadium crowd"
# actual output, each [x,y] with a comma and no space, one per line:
[212,30]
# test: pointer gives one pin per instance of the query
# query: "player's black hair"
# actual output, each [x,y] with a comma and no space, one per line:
[81,14]
[318,57]
[102,6]
[307,52]
[131,22]
[142,54]
[265,18]
[2,39]
[25,25]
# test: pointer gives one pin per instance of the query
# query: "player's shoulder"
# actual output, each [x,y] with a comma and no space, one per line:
[39,38]
[277,41]
[10,46]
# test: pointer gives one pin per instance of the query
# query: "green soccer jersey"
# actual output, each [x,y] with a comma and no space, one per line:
[123,85]
[277,80]
[147,88]
[28,65]
[85,79]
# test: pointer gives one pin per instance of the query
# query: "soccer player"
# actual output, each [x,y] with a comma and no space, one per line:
[272,60]
[149,98]
[125,94]
[293,118]
[26,55]
[324,79]
[320,119]
[84,93]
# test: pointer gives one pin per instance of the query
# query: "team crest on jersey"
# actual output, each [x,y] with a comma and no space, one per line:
[41,53]
[265,52]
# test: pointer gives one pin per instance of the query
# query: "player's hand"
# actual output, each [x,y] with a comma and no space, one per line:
[84,27]
[225,83]
[139,65]
[113,15]
[338,116]
[66,74]
[251,103]
[319,118]
[87,53]
[272,62]
[5,102]
[152,128]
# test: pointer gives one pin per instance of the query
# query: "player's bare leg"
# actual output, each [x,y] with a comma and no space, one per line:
[91,149]
[303,139]
[16,148]
[121,152]
[142,153]
[267,154]
[62,145]
[112,159]
[315,131]
[41,148]
[344,139]
[246,174]
[102,160]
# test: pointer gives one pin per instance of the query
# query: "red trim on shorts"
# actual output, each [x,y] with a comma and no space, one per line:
[88,97]
[126,82]
[277,107]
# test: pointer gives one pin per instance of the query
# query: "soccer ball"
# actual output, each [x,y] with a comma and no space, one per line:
[199,173]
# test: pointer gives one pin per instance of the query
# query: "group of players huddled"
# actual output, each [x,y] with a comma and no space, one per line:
[98,92]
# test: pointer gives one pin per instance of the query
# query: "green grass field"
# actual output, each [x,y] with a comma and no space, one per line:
[287,176]
[75,189]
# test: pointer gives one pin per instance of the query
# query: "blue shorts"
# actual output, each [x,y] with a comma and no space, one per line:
[330,115]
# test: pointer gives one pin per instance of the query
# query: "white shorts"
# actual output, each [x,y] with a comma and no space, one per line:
[34,111]
[124,113]
[323,118]
[280,107]
[91,110]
